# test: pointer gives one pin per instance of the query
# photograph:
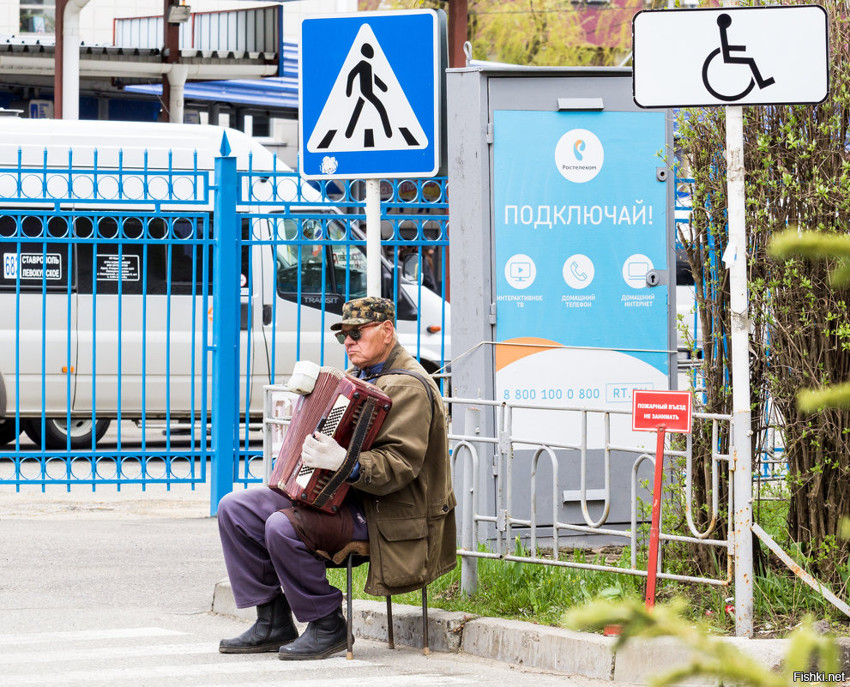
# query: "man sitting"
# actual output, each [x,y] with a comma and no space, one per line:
[401,502]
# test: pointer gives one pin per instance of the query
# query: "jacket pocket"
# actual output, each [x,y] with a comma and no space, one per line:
[442,508]
[404,551]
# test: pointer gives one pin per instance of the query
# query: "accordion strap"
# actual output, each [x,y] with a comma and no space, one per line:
[410,373]
[351,456]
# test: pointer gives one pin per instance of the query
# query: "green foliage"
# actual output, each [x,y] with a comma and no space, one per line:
[835,396]
[707,657]
[544,594]
[544,32]
[829,248]
[520,591]
[797,176]
[816,246]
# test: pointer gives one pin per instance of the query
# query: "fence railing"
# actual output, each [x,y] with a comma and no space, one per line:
[477,455]
[137,288]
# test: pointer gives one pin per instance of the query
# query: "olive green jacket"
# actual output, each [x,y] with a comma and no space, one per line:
[405,485]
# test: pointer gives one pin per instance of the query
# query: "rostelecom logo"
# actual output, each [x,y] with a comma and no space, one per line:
[578,146]
[579,155]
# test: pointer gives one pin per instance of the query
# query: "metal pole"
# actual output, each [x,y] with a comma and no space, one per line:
[225,393]
[71,59]
[655,527]
[373,237]
[458,27]
[736,261]
[59,62]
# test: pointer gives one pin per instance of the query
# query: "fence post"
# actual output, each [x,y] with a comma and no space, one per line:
[225,316]
[468,564]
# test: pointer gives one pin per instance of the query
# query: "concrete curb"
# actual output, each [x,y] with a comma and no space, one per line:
[526,644]
[540,646]
[445,629]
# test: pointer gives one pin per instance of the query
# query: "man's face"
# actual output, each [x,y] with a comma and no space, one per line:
[373,347]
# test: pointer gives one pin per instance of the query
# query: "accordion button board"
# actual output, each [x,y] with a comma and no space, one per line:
[334,408]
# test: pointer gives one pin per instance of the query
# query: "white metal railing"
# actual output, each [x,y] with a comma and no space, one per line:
[466,447]
[468,462]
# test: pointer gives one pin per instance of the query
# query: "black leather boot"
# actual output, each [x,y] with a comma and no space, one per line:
[273,629]
[322,638]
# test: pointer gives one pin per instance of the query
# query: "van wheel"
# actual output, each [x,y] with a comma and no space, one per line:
[56,431]
[7,430]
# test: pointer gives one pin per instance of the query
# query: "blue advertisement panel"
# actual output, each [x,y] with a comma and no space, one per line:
[580,221]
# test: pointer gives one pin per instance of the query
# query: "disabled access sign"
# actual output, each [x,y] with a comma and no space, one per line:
[766,55]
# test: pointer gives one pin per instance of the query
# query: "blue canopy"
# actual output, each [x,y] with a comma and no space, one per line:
[275,91]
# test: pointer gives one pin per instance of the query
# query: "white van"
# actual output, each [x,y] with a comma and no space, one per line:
[98,326]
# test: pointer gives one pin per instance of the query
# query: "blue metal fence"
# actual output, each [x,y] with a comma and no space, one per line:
[165,298]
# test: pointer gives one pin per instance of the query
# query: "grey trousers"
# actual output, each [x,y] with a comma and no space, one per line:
[263,554]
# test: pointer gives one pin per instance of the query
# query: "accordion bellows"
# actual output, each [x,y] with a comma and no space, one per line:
[344,407]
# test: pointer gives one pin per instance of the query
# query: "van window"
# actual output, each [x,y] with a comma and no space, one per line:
[144,267]
[336,269]
[684,276]
[187,259]
[339,267]
[349,264]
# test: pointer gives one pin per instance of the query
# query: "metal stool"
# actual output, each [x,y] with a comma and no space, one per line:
[354,554]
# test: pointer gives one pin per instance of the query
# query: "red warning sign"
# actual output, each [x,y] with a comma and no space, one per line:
[654,410]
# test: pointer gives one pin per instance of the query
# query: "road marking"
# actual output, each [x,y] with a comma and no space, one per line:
[102,653]
[87,635]
[149,674]
[26,668]
[415,680]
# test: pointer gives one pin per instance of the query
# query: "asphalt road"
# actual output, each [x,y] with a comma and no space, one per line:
[115,589]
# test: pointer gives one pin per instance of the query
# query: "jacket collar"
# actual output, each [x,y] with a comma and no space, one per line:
[395,353]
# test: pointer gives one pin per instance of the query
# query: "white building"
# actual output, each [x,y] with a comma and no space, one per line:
[36,17]
[112,85]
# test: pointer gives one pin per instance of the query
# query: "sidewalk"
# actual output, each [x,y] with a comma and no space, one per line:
[513,642]
[526,644]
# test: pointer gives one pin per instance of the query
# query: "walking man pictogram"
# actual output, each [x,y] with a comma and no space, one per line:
[362,72]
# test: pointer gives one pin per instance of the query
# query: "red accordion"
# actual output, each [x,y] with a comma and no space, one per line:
[344,407]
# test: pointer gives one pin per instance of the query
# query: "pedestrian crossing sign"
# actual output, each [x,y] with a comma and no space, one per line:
[371,88]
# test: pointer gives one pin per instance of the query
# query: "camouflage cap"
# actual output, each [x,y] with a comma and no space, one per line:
[365,310]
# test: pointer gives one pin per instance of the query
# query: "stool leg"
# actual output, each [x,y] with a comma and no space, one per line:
[350,653]
[425,649]
[390,640]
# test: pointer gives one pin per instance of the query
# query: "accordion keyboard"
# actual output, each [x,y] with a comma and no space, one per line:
[326,426]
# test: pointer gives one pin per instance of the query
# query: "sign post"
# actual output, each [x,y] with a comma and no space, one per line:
[370,93]
[659,411]
[734,56]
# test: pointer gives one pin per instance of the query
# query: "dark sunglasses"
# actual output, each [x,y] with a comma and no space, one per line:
[355,334]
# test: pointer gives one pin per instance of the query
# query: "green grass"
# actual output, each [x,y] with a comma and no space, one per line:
[544,593]
[522,591]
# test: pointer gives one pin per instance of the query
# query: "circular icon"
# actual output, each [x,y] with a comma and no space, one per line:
[734,79]
[520,271]
[579,155]
[578,271]
[635,269]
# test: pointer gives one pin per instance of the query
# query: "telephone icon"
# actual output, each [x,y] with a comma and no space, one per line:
[577,273]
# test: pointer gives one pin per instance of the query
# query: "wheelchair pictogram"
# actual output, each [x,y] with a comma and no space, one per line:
[724,21]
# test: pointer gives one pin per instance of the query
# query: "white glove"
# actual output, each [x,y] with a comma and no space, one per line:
[321,451]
